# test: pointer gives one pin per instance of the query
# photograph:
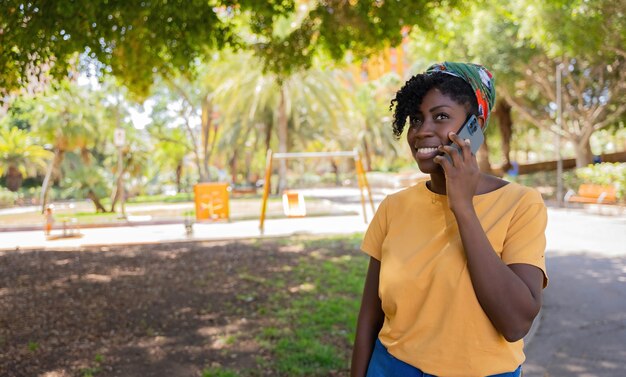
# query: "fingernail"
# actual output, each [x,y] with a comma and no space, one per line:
[467,141]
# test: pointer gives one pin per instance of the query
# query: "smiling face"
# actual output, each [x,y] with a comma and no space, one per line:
[437,116]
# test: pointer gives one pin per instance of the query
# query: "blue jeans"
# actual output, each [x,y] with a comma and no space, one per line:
[383,364]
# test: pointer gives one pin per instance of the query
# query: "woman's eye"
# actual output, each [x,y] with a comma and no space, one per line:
[441,116]
[415,122]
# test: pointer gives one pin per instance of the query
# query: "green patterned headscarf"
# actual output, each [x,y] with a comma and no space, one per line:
[479,78]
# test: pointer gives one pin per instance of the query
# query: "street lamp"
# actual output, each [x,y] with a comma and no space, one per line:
[119,139]
[559,121]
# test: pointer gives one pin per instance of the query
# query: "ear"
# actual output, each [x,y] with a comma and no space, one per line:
[481,121]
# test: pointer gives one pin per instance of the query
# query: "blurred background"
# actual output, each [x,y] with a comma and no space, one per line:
[107,103]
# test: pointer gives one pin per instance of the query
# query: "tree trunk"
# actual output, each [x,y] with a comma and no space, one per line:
[208,126]
[505,123]
[206,130]
[248,171]
[268,137]
[179,175]
[336,171]
[233,166]
[368,155]
[45,187]
[282,140]
[483,158]
[115,197]
[96,201]
[14,179]
[118,187]
[584,156]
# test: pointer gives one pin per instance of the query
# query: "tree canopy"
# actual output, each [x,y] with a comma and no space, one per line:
[137,40]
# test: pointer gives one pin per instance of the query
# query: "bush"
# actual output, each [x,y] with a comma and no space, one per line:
[7,198]
[32,195]
[605,174]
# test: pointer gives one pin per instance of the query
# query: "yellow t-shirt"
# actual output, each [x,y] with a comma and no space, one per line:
[433,320]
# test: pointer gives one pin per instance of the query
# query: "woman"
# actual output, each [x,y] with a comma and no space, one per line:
[457,261]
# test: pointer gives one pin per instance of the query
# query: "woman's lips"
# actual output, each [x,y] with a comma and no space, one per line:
[425,153]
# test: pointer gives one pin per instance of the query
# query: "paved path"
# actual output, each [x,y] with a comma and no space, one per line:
[176,232]
[582,332]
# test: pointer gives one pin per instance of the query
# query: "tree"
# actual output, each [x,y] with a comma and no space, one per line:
[85,180]
[67,119]
[186,105]
[591,96]
[523,43]
[20,156]
[586,38]
[135,41]
[170,148]
[371,102]
[135,155]
[312,103]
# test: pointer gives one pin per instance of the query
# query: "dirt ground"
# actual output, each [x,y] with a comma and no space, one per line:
[156,310]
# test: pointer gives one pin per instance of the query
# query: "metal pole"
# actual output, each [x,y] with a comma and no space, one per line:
[120,167]
[266,189]
[359,174]
[559,121]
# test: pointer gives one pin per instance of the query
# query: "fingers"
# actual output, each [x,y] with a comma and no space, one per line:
[452,152]
[444,162]
[466,149]
[459,152]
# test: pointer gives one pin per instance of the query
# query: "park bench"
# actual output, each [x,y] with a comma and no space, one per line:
[593,194]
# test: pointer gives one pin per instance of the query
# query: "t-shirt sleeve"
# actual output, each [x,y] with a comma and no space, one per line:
[376,232]
[526,237]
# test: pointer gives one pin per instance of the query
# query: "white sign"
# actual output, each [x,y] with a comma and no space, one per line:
[119,137]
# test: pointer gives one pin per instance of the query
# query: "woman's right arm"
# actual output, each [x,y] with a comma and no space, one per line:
[370,321]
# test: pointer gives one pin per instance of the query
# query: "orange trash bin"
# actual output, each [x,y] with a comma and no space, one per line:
[212,201]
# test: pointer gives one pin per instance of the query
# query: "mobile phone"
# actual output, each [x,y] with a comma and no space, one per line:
[470,130]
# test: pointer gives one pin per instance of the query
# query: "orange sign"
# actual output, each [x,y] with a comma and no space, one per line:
[212,201]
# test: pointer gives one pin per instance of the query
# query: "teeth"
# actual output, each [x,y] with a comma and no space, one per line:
[426,150]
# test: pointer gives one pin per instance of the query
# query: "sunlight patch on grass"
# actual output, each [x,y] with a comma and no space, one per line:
[312,334]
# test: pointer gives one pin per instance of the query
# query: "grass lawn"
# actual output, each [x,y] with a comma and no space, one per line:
[281,307]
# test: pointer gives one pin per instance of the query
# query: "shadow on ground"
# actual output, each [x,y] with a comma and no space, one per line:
[583,328]
[158,310]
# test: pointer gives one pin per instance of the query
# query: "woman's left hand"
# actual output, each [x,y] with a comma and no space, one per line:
[462,175]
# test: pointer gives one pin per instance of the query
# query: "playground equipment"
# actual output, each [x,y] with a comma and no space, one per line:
[293,202]
[211,201]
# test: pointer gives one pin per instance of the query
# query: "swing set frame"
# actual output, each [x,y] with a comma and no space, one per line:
[364,186]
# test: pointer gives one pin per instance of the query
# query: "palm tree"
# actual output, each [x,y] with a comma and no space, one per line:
[135,157]
[85,180]
[20,156]
[186,104]
[170,149]
[372,109]
[313,104]
[67,120]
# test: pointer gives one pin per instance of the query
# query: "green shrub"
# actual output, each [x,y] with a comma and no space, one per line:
[7,198]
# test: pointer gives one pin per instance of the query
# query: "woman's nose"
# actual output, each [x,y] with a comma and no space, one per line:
[427,128]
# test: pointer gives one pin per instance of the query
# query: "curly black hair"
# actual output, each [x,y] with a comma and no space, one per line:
[409,98]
